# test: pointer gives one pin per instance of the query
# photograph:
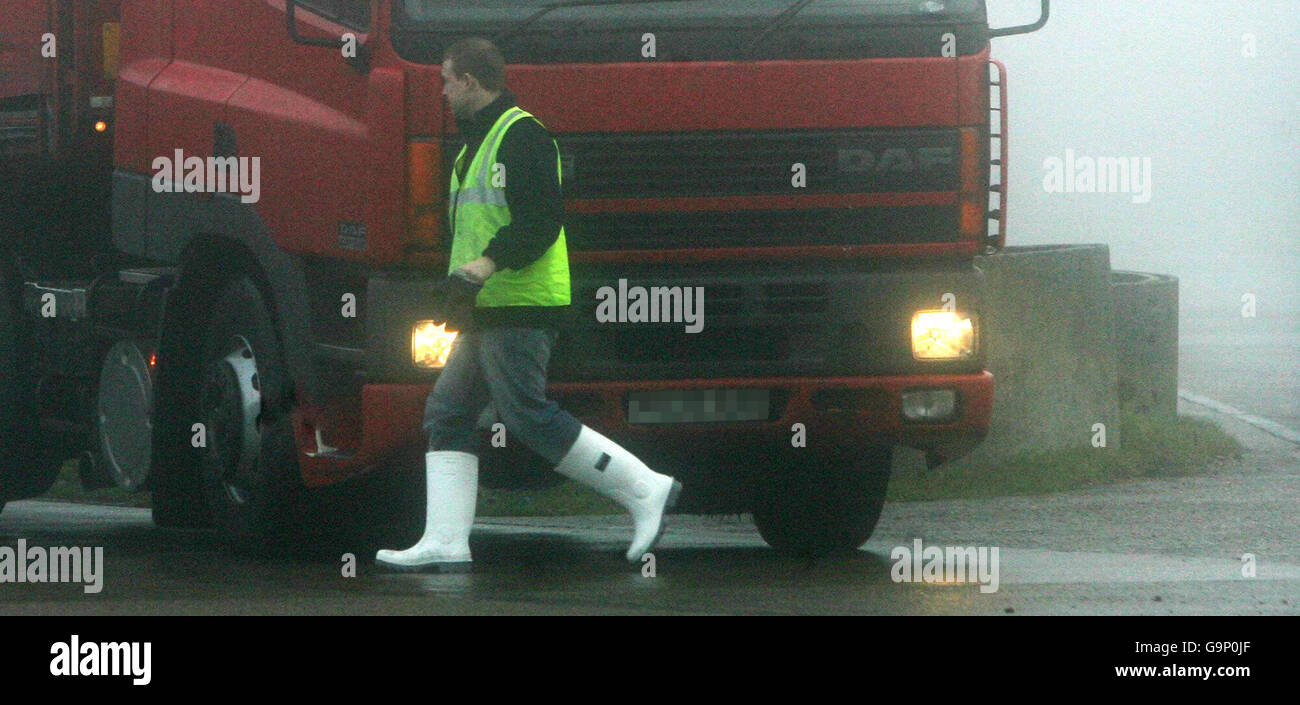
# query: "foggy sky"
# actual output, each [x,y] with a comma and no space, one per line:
[1165,79]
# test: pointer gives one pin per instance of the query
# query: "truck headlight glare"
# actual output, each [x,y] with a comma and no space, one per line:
[942,335]
[431,344]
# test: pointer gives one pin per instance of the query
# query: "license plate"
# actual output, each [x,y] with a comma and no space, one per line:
[697,405]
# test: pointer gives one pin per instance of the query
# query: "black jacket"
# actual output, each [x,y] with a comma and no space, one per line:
[536,207]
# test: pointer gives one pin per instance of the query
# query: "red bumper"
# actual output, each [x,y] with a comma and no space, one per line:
[391,415]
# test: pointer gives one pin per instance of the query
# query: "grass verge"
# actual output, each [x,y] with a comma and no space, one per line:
[1151,448]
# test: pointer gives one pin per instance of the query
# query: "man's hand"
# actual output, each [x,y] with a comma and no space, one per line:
[480,269]
[458,292]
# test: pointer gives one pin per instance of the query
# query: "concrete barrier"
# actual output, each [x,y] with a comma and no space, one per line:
[1047,325]
[1146,341]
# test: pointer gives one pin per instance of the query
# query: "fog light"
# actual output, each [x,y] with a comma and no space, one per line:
[942,335]
[929,404]
[431,344]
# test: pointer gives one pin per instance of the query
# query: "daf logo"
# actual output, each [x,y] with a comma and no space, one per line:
[894,160]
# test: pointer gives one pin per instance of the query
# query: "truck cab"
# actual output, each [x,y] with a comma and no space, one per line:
[253,316]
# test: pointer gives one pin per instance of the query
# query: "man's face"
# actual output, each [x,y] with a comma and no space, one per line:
[458,91]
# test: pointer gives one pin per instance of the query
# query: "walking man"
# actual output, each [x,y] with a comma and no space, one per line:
[508,278]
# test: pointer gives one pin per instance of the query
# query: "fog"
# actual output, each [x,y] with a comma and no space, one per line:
[1209,91]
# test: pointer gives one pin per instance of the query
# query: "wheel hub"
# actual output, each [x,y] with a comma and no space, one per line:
[233,404]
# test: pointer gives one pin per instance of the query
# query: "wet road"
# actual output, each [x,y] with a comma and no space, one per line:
[1154,547]
[1250,364]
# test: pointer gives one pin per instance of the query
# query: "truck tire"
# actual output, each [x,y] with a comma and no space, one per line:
[174,477]
[248,464]
[825,507]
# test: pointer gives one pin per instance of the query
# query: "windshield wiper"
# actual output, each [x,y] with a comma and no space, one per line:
[512,32]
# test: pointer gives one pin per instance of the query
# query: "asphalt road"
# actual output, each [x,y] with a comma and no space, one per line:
[1154,547]
[1251,364]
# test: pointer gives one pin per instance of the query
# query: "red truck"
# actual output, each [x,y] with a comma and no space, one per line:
[223,223]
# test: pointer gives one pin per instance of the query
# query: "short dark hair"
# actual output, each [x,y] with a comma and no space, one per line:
[479,58]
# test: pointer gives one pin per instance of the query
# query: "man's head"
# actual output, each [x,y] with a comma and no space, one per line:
[473,75]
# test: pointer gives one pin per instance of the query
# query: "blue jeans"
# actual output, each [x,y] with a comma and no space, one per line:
[508,367]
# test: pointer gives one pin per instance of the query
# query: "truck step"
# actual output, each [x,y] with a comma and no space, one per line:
[342,455]
[66,301]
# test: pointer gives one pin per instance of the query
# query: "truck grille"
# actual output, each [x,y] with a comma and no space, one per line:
[702,229]
[709,164]
[774,319]
[727,299]
[752,323]
[654,165]
[19,132]
[757,163]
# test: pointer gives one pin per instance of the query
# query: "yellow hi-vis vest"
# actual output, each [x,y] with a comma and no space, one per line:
[477,209]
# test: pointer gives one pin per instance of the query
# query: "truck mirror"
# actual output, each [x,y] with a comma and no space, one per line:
[1025,28]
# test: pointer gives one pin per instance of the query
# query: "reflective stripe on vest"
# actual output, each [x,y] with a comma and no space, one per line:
[477,210]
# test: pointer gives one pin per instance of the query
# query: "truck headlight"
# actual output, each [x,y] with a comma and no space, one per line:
[431,344]
[929,404]
[942,335]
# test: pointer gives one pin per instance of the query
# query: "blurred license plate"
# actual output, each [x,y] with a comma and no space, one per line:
[697,405]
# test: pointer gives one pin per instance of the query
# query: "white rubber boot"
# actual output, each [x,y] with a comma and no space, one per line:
[451,479]
[606,467]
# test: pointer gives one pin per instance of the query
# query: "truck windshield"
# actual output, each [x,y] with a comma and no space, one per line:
[547,31]
[499,15]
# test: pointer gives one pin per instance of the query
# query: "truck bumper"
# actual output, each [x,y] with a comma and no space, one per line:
[838,410]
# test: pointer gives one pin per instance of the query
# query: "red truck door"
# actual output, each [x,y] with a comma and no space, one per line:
[330,135]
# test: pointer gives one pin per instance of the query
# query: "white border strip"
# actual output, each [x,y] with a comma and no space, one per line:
[1271,427]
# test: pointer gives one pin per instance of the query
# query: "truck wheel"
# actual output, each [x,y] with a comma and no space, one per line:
[175,479]
[248,459]
[826,507]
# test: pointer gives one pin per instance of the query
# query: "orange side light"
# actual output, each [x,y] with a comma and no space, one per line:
[973,201]
[422,176]
[972,216]
[970,161]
